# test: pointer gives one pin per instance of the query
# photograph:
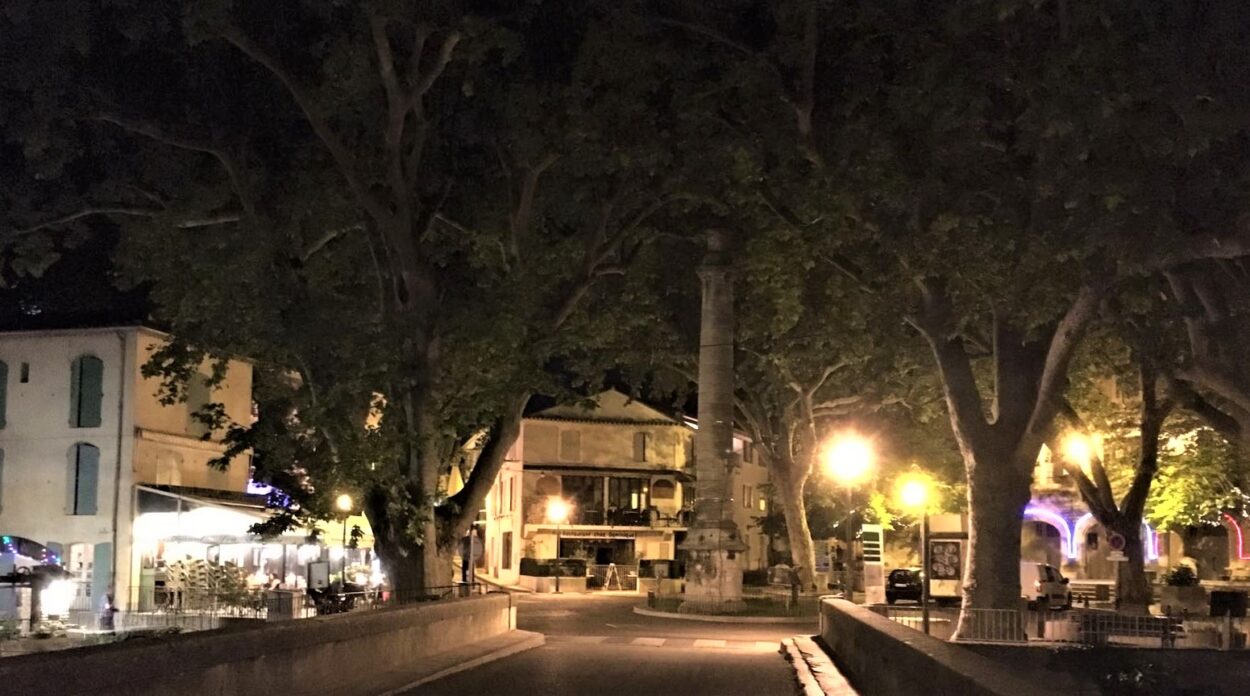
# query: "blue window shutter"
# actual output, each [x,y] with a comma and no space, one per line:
[4,392]
[101,574]
[86,392]
[86,478]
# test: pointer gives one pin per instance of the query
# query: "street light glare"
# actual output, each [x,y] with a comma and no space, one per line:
[914,493]
[344,502]
[1078,449]
[557,510]
[848,459]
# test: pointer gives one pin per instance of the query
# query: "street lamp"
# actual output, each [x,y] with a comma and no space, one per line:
[913,493]
[848,460]
[558,512]
[344,504]
[1080,449]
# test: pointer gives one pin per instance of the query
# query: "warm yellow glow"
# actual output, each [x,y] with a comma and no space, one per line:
[57,597]
[913,493]
[1079,449]
[848,459]
[557,511]
[344,503]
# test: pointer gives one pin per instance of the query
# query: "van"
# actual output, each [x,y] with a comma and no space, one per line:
[1044,584]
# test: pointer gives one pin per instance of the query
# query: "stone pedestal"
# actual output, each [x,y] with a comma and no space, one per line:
[713,571]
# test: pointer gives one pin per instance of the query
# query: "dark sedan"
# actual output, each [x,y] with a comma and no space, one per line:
[903,583]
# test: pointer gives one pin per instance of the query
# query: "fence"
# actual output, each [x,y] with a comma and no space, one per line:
[1089,627]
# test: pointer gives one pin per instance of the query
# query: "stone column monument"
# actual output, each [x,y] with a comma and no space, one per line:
[713,544]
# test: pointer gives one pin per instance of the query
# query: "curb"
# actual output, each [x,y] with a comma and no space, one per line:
[815,672]
[643,611]
[528,641]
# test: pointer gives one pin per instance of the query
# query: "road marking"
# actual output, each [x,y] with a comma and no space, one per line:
[610,625]
[653,642]
[705,643]
[767,645]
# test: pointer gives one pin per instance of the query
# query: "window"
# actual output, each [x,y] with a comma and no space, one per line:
[506,553]
[547,486]
[763,504]
[4,391]
[199,397]
[748,452]
[1091,541]
[663,489]
[25,376]
[84,479]
[585,495]
[642,447]
[627,494]
[570,445]
[746,497]
[86,392]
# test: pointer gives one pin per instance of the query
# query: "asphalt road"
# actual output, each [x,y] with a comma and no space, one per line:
[596,645]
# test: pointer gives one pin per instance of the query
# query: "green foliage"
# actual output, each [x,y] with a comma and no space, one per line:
[1200,477]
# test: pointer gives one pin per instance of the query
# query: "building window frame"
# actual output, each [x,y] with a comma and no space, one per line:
[84,479]
[86,389]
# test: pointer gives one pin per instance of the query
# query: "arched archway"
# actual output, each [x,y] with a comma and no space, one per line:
[1048,541]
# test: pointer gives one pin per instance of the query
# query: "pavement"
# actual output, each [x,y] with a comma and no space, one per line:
[596,645]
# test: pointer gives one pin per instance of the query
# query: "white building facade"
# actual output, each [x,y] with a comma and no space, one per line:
[81,428]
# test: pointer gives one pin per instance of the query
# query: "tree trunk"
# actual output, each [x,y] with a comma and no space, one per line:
[1131,588]
[996,502]
[802,551]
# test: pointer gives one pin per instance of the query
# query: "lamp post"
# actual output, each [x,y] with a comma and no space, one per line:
[344,504]
[914,494]
[848,460]
[558,512]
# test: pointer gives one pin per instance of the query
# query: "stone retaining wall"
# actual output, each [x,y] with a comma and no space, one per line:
[880,656]
[329,654]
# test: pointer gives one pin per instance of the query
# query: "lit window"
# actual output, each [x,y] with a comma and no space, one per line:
[763,504]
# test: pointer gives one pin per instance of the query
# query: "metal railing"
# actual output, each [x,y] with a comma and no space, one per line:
[1089,627]
[157,611]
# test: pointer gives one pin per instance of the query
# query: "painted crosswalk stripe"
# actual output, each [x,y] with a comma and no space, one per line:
[705,643]
[767,645]
[653,642]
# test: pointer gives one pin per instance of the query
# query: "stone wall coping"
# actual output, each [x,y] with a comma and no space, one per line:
[84,669]
[973,670]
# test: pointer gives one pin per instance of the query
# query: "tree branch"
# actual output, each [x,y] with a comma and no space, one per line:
[304,100]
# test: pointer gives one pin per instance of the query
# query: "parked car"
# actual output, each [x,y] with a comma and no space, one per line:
[903,583]
[1044,584]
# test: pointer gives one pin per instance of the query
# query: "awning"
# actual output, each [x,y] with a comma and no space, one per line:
[171,514]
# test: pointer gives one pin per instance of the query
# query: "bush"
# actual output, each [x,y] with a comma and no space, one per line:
[1181,576]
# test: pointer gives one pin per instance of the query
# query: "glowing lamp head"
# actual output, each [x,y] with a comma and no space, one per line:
[1079,449]
[914,494]
[848,459]
[557,510]
[343,503]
